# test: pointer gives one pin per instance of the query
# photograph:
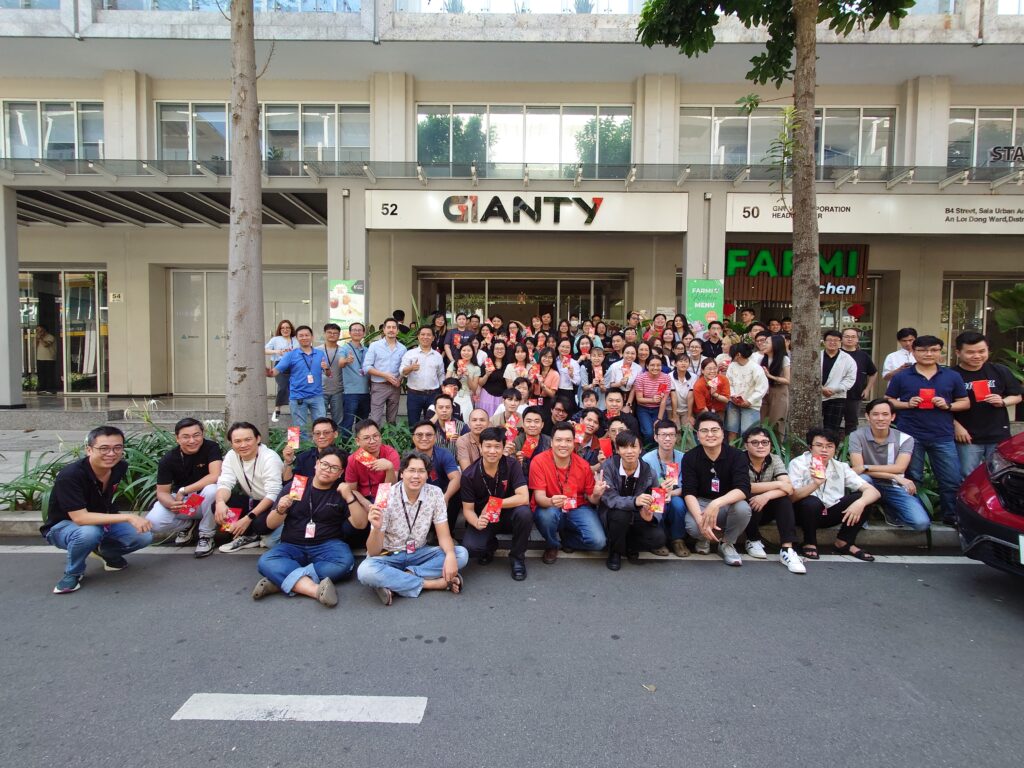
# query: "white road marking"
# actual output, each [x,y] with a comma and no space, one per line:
[265,707]
[32,549]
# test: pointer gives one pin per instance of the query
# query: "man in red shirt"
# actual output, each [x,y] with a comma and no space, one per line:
[565,489]
[372,463]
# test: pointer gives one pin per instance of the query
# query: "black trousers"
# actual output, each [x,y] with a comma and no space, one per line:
[517,520]
[832,413]
[46,375]
[629,533]
[782,512]
[812,515]
[851,414]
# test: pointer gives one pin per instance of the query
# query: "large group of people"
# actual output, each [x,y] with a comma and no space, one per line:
[565,428]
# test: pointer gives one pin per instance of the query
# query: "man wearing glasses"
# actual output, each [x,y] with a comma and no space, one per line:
[715,490]
[83,516]
[325,432]
[925,397]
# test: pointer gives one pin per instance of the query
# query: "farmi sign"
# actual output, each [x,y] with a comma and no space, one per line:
[465,209]
[746,262]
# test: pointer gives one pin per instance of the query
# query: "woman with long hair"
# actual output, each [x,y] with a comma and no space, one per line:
[775,406]
[515,332]
[440,326]
[682,392]
[492,380]
[536,325]
[601,332]
[545,384]
[711,390]
[518,365]
[465,369]
[281,342]
[680,327]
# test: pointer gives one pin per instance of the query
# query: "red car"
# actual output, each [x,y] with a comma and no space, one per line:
[990,509]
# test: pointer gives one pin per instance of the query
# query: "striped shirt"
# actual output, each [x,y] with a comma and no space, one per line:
[648,386]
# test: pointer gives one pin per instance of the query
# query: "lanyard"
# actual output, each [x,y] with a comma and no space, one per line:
[307,360]
[497,479]
[563,477]
[249,482]
[324,499]
[406,512]
[330,360]
[358,354]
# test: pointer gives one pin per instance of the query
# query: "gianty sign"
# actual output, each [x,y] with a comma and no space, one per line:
[526,211]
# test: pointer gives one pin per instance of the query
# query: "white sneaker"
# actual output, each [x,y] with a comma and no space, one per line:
[275,417]
[729,554]
[756,549]
[792,561]
[185,536]
[240,543]
[703,547]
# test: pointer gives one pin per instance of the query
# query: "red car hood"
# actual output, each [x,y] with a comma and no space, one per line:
[1013,449]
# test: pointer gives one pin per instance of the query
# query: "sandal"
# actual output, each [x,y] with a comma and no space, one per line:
[810,552]
[860,554]
[384,595]
[457,581]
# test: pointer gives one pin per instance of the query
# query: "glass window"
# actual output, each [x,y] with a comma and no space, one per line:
[994,129]
[469,135]
[433,134]
[355,132]
[90,131]
[210,132]
[729,136]
[579,135]
[505,135]
[960,153]
[1018,133]
[765,127]
[842,134]
[58,131]
[22,121]
[542,129]
[282,131]
[318,133]
[695,135]
[615,136]
[173,131]
[877,136]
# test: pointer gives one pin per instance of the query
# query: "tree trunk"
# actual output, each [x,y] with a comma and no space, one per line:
[805,392]
[246,386]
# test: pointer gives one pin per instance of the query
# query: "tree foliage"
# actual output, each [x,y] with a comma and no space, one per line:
[442,139]
[605,140]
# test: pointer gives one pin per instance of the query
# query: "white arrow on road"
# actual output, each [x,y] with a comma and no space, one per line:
[266,707]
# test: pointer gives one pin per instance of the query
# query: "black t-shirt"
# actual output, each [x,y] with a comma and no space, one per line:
[178,469]
[987,423]
[305,464]
[698,473]
[477,486]
[77,487]
[865,367]
[456,338]
[326,508]
[827,364]
[712,348]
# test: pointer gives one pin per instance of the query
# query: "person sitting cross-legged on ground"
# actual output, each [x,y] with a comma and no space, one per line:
[828,492]
[499,477]
[769,499]
[83,518]
[881,455]
[189,471]
[398,559]
[249,482]
[564,489]
[715,489]
[627,503]
[311,555]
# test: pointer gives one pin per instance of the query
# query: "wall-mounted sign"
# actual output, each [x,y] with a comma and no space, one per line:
[1013,154]
[346,301]
[762,272]
[937,214]
[705,300]
[525,210]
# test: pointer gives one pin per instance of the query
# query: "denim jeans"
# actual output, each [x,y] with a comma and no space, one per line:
[903,505]
[111,541]
[739,420]
[305,412]
[945,466]
[286,563]
[166,521]
[646,416]
[416,404]
[356,406]
[335,406]
[404,574]
[581,527]
[674,518]
[973,455]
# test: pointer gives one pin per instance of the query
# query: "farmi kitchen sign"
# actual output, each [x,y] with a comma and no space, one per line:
[765,271]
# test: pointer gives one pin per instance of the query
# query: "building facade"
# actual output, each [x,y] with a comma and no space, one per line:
[473,156]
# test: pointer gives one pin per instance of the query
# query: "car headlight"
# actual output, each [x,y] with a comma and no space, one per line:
[997,465]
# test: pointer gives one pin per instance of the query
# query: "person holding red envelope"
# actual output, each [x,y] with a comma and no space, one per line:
[666,461]
[649,397]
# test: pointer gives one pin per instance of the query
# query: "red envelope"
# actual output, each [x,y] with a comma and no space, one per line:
[381,499]
[658,503]
[534,371]
[298,486]
[817,467]
[981,389]
[598,374]
[626,368]
[671,471]
[460,367]
[571,501]
[927,398]
[511,433]
[566,360]
[606,446]
[192,504]
[233,515]
[450,430]
[512,421]
[294,436]
[364,457]
[663,388]
[492,512]
[529,446]
[581,433]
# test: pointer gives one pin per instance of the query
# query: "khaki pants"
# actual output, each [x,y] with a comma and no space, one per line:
[383,402]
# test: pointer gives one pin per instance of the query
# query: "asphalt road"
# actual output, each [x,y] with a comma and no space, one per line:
[852,665]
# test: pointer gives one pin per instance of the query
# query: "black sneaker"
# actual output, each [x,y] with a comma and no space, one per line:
[112,564]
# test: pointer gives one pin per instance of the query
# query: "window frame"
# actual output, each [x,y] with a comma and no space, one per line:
[1016,124]
[39,149]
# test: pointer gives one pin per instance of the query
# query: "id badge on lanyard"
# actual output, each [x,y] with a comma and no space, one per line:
[310,530]
[716,485]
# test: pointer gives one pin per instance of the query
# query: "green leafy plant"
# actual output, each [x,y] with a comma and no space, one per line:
[1009,316]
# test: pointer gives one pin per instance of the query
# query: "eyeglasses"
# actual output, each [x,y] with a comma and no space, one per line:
[326,466]
[424,435]
[106,450]
[323,433]
[759,443]
[712,431]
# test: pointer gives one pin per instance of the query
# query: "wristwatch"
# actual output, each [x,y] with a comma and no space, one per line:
[251,515]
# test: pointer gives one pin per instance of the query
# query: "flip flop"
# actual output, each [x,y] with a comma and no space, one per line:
[457,579]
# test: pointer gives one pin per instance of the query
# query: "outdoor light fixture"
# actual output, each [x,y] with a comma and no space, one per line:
[631,176]
[207,173]
[740,177]
[579,176]
[49,170]
[526,175]
[155,172]
[311,173]
[108,175]
[683,176]
[963,176]
[907,175]
[369,174]
[1015,176]
[852,176]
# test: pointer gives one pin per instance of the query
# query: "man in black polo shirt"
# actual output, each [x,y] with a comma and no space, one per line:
[499,477]
[188,472]
[864,384]
[83,515]
[716,487]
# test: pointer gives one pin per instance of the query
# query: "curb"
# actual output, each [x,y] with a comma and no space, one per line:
[877,534]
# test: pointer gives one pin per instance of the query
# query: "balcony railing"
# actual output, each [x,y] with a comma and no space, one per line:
[262,6]
[30,5]
[580,7]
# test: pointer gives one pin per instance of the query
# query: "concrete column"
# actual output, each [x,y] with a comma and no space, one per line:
[925,130]
[127,117]
[346,233]
[391,117]
[10,323]
[704,249]
[657,117]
